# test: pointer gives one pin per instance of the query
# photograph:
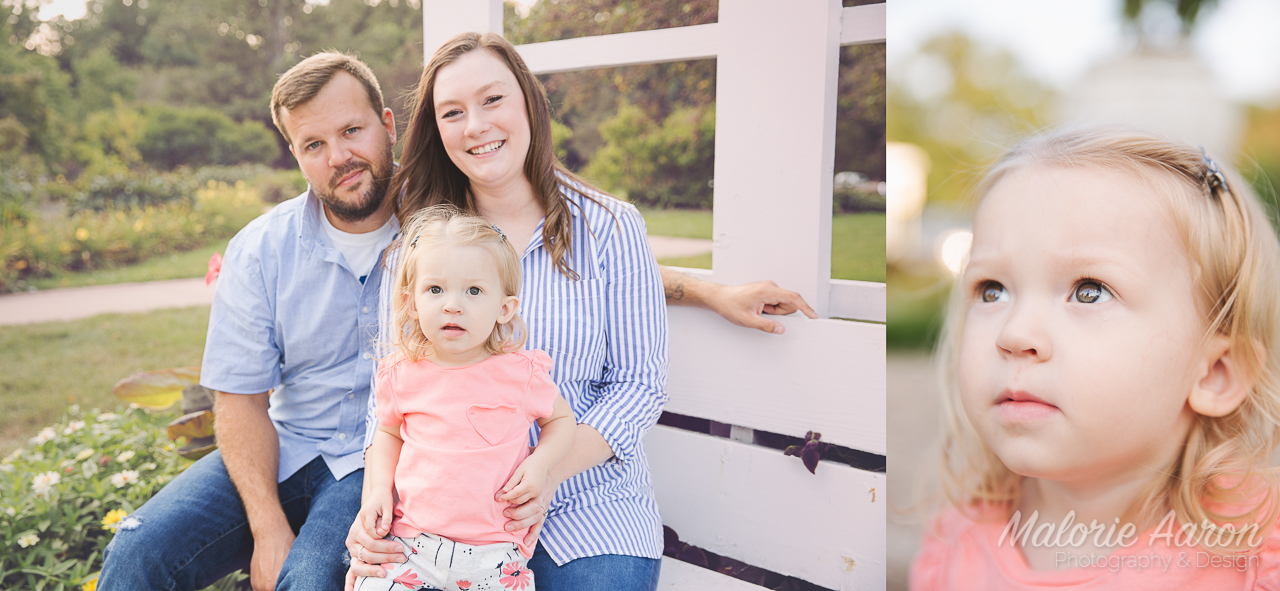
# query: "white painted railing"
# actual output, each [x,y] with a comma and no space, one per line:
[775,134]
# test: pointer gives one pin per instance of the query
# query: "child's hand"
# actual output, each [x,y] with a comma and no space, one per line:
[527,482]
[375,515]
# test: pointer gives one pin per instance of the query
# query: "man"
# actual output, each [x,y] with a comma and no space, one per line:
[289,353]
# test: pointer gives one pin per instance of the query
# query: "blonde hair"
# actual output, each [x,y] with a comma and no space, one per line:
[1235,261]
[436,226]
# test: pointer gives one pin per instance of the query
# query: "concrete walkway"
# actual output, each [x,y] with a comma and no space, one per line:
[72,303]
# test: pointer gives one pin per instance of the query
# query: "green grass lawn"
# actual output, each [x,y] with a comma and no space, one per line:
[183,265]
[857,241]
[47,367]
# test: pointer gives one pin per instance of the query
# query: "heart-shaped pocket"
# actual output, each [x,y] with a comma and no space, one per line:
[492,422]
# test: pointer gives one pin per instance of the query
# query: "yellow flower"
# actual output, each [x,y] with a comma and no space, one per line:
[91,584]
[82,234]
[113,517]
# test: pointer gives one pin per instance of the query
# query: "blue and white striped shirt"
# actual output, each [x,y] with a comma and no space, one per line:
[607,336]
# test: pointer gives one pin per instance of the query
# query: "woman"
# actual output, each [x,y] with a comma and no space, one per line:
[480,139]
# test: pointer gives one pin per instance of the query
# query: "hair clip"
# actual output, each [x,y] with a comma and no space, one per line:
[414,244]
[499,231]
[1213,177]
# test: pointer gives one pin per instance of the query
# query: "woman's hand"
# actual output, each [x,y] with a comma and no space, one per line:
[364,540]
[744,304]
[532,513]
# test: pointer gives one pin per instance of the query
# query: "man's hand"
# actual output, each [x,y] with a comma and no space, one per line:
[739,304]
[744,304]
[269,553]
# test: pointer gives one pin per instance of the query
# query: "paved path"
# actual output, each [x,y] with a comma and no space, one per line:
[82,302]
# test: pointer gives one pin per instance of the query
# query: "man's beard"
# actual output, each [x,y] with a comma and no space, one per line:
[370,201]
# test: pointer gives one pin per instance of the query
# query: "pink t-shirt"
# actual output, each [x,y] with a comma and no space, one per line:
[959,553]
[465,430]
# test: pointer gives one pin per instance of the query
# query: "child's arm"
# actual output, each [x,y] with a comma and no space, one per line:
[554,441]
[380,470]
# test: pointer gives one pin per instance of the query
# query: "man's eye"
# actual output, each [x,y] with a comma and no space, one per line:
[312,146]
[352,130]
[435,289]
[474,291]
[992,292]
[1091,292]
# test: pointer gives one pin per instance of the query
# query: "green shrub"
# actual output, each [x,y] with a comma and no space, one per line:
[71,487]
[657,164]
[133,189]
[199,136]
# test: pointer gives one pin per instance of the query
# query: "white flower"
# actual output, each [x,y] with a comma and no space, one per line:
[10,511]
[107,416]
[37,457]
[45,434]
[72,427]
[84,454]
[28,539]
[126,456]
[125,478]
[13,456]
[42,484]
[6,467]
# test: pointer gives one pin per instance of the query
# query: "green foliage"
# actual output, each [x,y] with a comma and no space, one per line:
[658,164]
[71,487]
[121,232]
[198,136]
[35,98]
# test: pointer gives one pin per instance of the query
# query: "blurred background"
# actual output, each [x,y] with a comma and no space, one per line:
[971,79]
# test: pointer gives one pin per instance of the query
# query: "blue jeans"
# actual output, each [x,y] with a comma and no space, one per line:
[194,531]
[610,571]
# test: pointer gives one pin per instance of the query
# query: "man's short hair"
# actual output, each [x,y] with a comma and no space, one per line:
[306,79]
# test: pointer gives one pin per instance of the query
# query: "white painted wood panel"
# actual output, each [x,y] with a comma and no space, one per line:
[755,505]
[442,19]
[622,49]
[862,24]
[822,375]
[775,144]
[857,300]
[682,575]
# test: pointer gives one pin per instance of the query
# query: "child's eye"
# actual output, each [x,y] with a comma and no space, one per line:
[473,291]
[992,292]
[1090,292]
[435,289]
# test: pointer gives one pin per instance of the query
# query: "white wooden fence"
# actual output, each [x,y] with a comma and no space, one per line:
[775,134]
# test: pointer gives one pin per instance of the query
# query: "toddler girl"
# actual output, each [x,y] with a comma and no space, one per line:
[455,402]
[1111,367]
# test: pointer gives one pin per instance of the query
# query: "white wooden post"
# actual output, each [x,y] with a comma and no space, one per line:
[775,144]
[442,19]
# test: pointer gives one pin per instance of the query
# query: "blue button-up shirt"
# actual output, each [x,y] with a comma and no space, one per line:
[290,315]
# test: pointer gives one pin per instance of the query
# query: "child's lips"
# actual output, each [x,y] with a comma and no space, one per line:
[452,329]
[1023,406]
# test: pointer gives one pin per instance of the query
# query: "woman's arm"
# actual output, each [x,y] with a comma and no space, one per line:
[739,304]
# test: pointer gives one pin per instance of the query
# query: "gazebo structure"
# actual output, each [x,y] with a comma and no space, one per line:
[721,481]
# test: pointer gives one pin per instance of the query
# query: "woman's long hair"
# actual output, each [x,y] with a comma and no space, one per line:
[428,177]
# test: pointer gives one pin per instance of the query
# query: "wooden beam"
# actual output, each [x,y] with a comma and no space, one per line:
[622,49]
[862,24]
[442,19]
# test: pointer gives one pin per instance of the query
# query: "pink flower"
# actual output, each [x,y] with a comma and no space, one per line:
[215,267]
[515,576]
[409,579]
[464,584]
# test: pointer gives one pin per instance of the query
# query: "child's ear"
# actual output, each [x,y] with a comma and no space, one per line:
[413,305]
[1225,380]
[508,311]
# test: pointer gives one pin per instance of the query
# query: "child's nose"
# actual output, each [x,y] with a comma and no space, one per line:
[1024,334]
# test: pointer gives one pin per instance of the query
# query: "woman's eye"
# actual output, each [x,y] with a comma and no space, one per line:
[493,99]
[451,113]
[992,292]
[1090,292]
[473,291]
[435,289]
